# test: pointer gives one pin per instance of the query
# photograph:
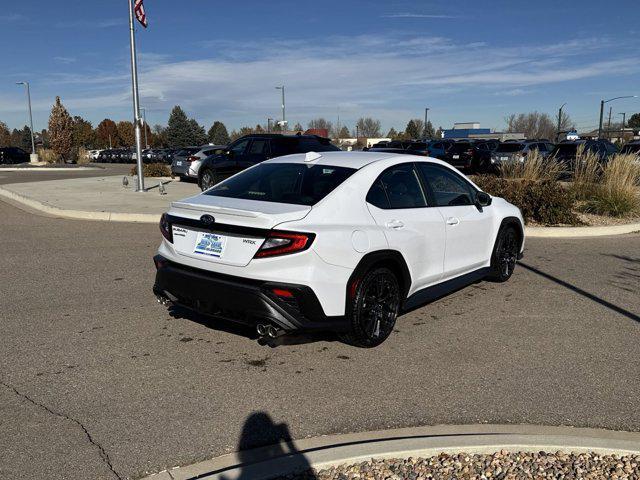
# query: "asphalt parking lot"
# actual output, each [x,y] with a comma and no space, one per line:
[99,381]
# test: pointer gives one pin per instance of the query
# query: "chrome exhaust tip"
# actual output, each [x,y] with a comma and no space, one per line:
[261,329]
[272,332]
[162,300]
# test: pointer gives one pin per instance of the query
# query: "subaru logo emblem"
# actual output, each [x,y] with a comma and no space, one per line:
[207,219]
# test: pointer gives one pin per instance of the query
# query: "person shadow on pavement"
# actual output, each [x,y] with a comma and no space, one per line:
[279,457]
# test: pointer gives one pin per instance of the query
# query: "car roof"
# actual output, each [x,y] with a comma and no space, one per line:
[355,160]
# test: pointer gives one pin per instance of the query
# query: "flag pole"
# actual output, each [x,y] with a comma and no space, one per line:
[136,101]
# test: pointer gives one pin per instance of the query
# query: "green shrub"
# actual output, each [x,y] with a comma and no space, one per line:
[153,170]
[545,201]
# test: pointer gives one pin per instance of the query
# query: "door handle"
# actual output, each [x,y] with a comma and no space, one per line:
[395,224]
[452,221]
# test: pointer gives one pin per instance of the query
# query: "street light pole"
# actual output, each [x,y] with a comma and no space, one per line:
[269,124]
[426,117]
[144,126]
[33,143]
[559,121]
[284,121]
[602,102]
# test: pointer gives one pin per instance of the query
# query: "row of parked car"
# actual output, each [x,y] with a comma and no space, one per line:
[128,155]
[485,156]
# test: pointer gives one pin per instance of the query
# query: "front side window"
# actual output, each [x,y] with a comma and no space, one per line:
[258,147]
[295,183]
[401,186]
[448,188]
[239,147]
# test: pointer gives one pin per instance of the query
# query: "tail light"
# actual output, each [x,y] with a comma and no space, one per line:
[284,243]
[192,158]
[165,228]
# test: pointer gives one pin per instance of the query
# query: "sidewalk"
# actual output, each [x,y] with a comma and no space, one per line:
[99,198]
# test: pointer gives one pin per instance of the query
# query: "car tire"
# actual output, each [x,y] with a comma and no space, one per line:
[505,255]
[373,309]
[208,179]
[183,178]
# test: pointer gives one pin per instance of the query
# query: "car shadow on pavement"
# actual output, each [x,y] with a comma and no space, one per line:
[584,293]
[178,312]
[280,452]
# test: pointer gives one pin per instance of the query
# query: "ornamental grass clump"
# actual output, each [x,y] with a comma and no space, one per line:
[533,168]
[616,193]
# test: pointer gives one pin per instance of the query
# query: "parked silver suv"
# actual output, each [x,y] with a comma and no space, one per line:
[186,163]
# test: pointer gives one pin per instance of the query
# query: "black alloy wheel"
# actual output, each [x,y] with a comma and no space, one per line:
[505,255]
[208,180]
[374,308]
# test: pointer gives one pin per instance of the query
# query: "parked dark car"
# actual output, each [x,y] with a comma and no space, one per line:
[631,147]
[565,152]
[252,149]
[13,155]
[438,148]
[517,151]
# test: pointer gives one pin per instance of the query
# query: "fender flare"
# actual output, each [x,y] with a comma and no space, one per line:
[392,258]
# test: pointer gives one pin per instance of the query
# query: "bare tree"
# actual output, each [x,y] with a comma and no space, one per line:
[533,124]
[368,127]
[320,124]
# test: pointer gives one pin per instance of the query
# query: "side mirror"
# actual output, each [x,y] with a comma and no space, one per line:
[483,199]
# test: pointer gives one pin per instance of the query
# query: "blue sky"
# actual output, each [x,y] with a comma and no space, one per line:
[466,60]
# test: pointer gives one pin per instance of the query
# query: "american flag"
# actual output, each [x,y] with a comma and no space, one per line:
[138,8]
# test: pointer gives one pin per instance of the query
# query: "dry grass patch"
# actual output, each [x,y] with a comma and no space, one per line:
[534,168]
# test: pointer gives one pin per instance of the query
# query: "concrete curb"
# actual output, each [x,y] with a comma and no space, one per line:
[48,169]
[332,450]
[530,232]
[79,214]
[577,232]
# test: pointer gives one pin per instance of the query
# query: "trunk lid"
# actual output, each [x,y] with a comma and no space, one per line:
[237,232]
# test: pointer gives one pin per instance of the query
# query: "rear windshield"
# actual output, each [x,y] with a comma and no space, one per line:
[566,149]
[460,147]
[417,146]
[289,145]
[509,147]
[187,151]
[295,183]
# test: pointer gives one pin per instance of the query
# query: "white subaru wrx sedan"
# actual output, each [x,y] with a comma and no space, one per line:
[338,241]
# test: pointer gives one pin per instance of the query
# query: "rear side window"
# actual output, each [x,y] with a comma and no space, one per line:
[295,183]
[305,145]
[401,186]
[448,188]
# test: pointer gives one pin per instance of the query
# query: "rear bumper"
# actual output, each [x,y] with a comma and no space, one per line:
[243,300]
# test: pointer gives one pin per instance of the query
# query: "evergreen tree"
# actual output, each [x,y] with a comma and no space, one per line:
[198,134]
[179,131]
[83,133]
[298,127]
[392,133]
[106,129]
[344,132]
[429,132]
[634,121]
[413,130]
[218,134]
[60,130]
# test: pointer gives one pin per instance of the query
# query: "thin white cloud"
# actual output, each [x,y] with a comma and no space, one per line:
[87,23]
[65,60]
[12,17]
[416,15]
[381,75]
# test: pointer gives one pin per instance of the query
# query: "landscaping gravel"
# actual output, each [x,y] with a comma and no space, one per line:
[500,465]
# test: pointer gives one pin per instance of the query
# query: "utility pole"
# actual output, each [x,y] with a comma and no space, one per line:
[33,142]
[426,117]
[269,124]
[559,121]
[136,99]
[109,141]
[624,117]
[609,124]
